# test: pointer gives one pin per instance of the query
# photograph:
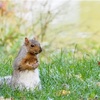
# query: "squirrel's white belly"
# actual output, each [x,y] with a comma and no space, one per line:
[26,79]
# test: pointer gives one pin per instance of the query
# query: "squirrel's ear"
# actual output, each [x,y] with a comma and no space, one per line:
[35,38]
[26,41]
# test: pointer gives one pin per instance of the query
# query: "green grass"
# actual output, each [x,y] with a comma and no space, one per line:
[64,71]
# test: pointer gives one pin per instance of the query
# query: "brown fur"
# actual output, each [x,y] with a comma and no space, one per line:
[30,61]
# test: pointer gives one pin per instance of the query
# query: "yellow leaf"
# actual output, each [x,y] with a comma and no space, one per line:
[62,93]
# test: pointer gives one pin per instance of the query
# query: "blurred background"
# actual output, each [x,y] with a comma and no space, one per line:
[57,24]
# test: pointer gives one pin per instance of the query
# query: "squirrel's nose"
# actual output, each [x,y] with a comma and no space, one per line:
[40,49]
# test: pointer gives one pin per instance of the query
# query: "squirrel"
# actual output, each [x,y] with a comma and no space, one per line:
[25,66]
[27,56]
[30,61]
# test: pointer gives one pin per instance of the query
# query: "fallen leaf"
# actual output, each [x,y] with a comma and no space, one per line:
[62,93]
[2,98]
[99,63]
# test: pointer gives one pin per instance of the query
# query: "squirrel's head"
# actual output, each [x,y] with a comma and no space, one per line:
[33,46]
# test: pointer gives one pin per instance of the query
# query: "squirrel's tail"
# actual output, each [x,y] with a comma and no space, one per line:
[6,80]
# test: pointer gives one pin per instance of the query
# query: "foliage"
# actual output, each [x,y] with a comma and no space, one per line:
[13,29]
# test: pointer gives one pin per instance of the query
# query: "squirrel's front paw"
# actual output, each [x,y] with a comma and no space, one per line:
[20,69]
[35,65]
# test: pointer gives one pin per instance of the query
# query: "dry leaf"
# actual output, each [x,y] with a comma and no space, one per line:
[99,63]
[2,98]
[62,93]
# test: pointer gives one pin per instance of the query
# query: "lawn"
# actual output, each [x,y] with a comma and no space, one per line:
[71,73]
[65,76]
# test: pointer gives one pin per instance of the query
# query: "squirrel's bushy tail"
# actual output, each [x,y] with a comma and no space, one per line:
[6,80]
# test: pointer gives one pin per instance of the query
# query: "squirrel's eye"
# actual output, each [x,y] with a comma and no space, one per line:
[32,45]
